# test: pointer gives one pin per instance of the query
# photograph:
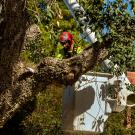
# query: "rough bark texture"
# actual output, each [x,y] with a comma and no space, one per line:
[12,31]
[16,90]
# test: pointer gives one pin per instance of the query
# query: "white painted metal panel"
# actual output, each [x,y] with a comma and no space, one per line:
[88,104]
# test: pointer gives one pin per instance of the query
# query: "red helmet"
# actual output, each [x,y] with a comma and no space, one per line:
[66,37]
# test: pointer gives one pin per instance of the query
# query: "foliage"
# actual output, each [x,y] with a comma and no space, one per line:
[52,18]
[46,118]
[116,124]
[130,87]
[114,20]
[41,14]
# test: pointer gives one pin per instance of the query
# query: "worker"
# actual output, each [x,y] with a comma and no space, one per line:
[69,46]
[66,39]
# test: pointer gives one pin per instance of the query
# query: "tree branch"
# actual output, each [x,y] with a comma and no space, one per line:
[50,70]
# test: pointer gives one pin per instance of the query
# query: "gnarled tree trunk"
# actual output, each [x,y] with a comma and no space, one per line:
[12,31]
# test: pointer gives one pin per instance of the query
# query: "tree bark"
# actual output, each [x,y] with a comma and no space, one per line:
[16,90]
[12,31]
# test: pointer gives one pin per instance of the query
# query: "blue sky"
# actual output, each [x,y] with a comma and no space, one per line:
[129,7]
[125,1]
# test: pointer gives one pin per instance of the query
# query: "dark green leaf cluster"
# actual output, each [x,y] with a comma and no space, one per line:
[114,20]
[130,87]
[46,119]
[116,124]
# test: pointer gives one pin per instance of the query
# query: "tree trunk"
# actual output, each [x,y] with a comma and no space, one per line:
[12,31]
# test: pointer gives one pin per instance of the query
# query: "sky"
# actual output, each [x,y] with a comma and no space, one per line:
[125,1]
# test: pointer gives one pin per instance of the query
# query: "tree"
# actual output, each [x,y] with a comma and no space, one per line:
[18,86]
